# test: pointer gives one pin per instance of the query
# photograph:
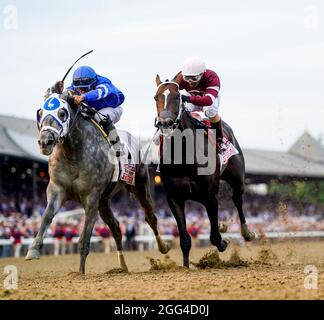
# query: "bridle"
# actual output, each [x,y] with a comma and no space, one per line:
[65,127]
[181,111]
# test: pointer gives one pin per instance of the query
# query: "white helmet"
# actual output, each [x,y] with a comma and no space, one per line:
[193,66]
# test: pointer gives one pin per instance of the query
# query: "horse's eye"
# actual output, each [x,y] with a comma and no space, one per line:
[177,96]
[155,98]
[62,114]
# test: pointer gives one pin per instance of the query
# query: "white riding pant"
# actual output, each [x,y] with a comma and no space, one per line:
[210,111]
[113,113]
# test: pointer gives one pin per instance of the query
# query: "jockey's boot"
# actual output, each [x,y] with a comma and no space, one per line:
[221,147]
[117,145]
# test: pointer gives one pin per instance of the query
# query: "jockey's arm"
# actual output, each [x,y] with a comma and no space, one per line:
[210,93]
[207,99]
[99,93]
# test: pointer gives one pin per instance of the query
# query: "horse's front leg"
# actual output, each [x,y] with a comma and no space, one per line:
[91,205]
[177,207]
[211,205]
[55,198]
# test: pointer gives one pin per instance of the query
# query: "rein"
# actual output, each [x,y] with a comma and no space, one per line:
[73,121]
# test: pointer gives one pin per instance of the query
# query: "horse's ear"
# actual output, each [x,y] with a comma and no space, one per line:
[158,80]
[177,78]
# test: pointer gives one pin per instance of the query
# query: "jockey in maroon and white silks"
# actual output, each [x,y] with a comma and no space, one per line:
[205,94]
[200,92]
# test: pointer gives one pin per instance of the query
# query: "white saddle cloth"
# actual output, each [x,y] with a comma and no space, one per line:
[125,166]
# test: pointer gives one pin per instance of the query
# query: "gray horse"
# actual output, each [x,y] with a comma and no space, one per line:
[79,170]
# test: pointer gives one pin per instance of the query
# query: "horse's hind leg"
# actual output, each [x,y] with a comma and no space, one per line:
[55,198]
[238,201]
[108,217]
[142,192]
[236,181]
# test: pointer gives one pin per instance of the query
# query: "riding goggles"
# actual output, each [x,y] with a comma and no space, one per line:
[83,82]
[192,78]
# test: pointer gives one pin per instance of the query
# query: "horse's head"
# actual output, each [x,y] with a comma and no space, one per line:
[168,103]
[53,121]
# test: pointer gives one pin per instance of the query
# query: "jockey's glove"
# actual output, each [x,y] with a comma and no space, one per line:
[185,98]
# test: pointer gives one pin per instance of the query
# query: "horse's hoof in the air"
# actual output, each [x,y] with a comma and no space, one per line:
[165,248]
[223,245]
[32,254]
[222,226]
[246,233]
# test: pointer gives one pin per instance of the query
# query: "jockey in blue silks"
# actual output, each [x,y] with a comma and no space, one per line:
[100,94]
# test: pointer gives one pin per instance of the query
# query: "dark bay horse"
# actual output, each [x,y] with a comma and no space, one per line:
[80,170]
[181,178]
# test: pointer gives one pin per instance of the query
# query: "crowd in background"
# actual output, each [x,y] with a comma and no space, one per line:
[263,213]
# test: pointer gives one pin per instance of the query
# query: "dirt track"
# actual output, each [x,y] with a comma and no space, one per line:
[270,272]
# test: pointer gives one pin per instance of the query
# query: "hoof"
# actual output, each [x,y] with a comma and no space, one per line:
[223,245]
[186,264]
[165,248]
[32,254]
[124,269]
[222,227]
[246,233]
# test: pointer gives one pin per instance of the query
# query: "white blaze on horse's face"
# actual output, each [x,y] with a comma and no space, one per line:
[166,93]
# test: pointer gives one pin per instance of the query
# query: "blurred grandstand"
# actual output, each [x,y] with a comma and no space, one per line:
[269,206]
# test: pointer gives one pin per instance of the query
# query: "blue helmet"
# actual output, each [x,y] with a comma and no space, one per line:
[84,77]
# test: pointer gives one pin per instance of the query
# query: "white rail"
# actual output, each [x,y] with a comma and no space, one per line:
[150,238]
